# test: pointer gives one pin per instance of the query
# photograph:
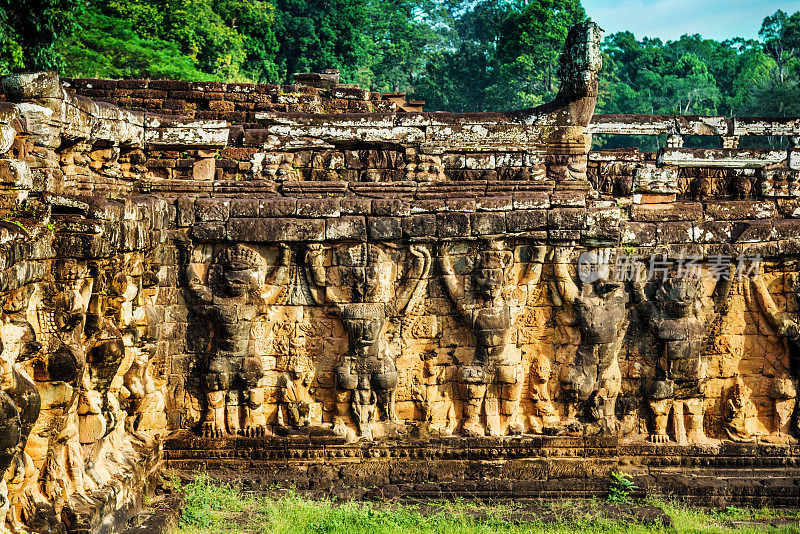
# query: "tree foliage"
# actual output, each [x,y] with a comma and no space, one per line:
[458,55]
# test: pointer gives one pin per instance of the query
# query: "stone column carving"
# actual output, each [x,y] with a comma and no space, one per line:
[366,375]
[783,390]
[236,292]
[568,141]
[297,381]
[61,308]
[20,405]
[544,417]
[598,308]
[681,322]
[143,401]
[493,381]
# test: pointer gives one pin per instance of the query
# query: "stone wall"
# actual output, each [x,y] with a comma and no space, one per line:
[324,296]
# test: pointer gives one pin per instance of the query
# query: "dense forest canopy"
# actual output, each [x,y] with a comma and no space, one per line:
[458,55]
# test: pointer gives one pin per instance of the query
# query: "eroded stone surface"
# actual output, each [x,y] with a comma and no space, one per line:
[336,280]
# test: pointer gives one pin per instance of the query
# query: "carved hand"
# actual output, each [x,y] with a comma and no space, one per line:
[786,326]
[561,254]
[540,252]
[314,254]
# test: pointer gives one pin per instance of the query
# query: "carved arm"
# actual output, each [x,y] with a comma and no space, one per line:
[567,289]
[780,320]
[197,289]
[420,268]
[273,286]
[451,284]
[722,289]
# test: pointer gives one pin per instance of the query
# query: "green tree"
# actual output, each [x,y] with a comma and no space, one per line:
[781,35]
[107,47]
[398,42]
[320,34]
[31,32]
[501,55]
[255,20]
[530,40]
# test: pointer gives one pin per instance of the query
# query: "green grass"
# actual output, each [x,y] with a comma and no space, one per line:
[212,507]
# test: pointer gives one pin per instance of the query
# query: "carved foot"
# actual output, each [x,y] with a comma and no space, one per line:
[254,431]
[473,430]
[515,429]
[211,430]
[340,428]
[365,434]
[697,437]
[659,438]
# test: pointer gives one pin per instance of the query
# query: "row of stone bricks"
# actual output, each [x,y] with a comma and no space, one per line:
[219,209]
[706,232]
[283,219]
[532,223]
[192,209]
[235,102]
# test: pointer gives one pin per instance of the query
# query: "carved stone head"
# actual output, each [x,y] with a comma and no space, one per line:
[680,296]
[237,270]
[490,271]
[540,370]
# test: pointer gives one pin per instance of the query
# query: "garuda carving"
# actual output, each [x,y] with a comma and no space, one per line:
[493,380]
[20,405]
[236,291]
[593,380]
[680,320]
[783,389]
[366,376]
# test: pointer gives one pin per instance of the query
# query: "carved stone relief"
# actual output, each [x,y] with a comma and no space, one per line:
[493,379]
[235,291]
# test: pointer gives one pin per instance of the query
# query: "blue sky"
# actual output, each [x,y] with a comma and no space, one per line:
[669,19]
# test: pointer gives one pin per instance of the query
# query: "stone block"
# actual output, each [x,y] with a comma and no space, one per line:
[525,220]
[276,230]
[209,231]
[204,169]
[212,209]
[318,207]
[340,228]
[453,224]
[529,200]
[356,206]
[391,207]
[384,228]
[277,207]
[488,223]
[786,228]
[566,218]
[674,232]
[732,210]
[752,231]
[712,232]
[244,207]
[500,203]
[419,225]
[676,211]
[568,199]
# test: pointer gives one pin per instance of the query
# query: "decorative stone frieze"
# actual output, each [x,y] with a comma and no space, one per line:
[336,288]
